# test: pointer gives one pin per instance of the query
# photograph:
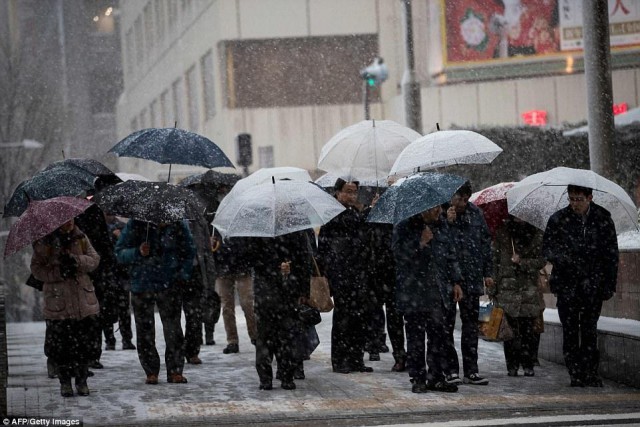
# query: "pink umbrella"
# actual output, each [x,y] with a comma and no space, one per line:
[41,218]
[493,202]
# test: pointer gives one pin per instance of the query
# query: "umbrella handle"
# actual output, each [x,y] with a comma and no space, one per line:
[146,239]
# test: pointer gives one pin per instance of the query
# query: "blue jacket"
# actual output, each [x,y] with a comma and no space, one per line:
[472,240]
[418,268]
[170,260]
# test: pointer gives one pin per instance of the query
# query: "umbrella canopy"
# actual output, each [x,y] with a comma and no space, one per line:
[619,120]
[47,184]
[156,202]
[210,178]
[366,150]
[493,202]
[92,166]
[537,197]
[274,209]
[445,148]
[266,175]
[328,180]
[42,217]
[172,145]
[413,195]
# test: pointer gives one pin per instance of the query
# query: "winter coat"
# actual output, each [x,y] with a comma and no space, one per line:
[170,259]
[472,240]
[516,285]
[584,255]
[272,291]
[200,232]
[344,254]
[418,269]
[66,298]
[231,257]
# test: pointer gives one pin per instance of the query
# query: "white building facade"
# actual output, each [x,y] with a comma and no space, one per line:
[287,71]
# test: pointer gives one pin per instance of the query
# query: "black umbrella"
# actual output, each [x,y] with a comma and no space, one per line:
[104,174]
[156,202]
[47,184]
[172,145]
[211,178]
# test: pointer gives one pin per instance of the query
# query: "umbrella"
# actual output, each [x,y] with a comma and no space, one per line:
[172,145]
[266,175]
[210,178]
[630,117]
[124,176]
[42,217]
[47,184]
[414,194]
[103,174]
[493,202]
[328,180]
[445,148]
[156,202]
[366,150]
[537,197]
[274,209]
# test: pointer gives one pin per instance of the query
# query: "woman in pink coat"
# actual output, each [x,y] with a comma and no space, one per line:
[62,260]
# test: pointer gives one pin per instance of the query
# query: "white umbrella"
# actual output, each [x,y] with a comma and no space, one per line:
[328,180]
[365,151]
[274,209]
[445,148]
[624,119]
[537,197]
[265,175]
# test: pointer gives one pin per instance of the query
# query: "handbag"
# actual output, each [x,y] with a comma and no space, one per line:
[497,327]
[319,292]
[308,315]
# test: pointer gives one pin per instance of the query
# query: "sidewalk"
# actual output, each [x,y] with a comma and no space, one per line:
[224,390]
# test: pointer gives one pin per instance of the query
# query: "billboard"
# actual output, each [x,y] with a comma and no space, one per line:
[493,30]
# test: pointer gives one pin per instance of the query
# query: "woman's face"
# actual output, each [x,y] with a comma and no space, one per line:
[67,227]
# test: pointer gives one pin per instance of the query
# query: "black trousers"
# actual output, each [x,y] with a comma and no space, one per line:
[169,306]
[469,311]
[522,349]
[348,330]
[384,305]
[210,310]
[124,319]
[70,344]
[191,293]
[277,334]
[579,317]
[427,324]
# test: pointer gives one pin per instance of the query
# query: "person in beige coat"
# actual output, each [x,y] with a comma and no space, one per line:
[62,260]
[517,254]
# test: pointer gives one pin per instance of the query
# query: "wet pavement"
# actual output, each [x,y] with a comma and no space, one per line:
[224,390]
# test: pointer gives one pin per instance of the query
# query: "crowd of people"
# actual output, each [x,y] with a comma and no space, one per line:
[415,277]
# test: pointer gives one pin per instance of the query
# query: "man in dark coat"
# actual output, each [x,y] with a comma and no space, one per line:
[428,281]
[580,241]
[473,244]
[282,269]
[343,254]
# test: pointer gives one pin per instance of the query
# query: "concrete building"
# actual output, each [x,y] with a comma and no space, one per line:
[287,71]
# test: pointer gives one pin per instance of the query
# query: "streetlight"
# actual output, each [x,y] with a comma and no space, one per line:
[28,144]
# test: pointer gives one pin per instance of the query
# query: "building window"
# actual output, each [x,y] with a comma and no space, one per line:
[297,71]
[139,42]
[192,99]
[165,110]
[208,89]
[265,156]
[177,94]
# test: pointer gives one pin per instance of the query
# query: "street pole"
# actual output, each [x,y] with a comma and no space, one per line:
[365,97]
[410,85]
[597,69]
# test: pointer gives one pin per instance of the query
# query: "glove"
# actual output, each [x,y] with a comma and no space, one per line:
[68,266]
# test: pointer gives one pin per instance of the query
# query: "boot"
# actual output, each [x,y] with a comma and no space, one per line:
[400,364]
[82,372]
[52,370]
[65,388]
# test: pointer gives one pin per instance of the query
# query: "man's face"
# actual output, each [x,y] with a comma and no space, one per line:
[459,202]
[430,216]
[579,202]
[348,196]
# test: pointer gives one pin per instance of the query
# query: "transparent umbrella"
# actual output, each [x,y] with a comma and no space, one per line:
[274,209]
[537,197]
[266,175]
[445,148]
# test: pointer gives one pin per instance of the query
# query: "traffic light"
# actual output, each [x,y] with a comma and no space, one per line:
[245,152]
[375,73]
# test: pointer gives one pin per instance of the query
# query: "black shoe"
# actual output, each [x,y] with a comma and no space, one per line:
[231,348]
[383,349]
[419,387]
[210,342]
[362,368]
[342,369]
[82,389]
[288,385]
[96,365]
[441,386]
[399,366]
[266,385]
[298,374]
[110,346]
[66,390]
[374,357]
[128,345]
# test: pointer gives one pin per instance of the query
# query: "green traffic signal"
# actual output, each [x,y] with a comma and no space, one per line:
[371,81]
